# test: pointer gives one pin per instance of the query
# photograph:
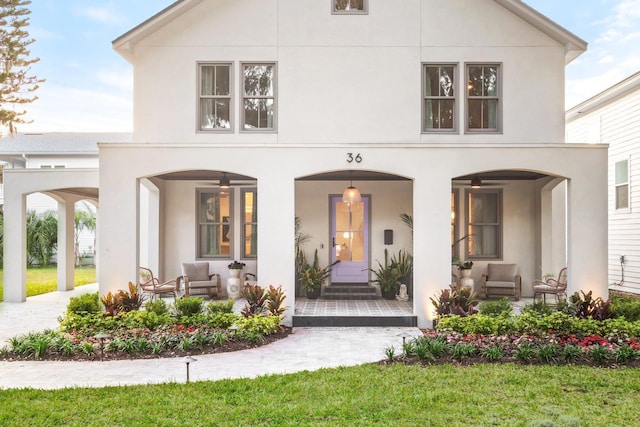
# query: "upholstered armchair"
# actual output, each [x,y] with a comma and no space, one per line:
[501,279]
[196,277]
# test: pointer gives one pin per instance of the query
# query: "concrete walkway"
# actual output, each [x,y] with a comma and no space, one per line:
[305,349]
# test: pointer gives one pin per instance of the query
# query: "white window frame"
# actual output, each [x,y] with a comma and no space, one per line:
[617,185]
[274,127]
[200,97]
[498,97]
[498,225]
[200,224]
[454,98]
[336,11]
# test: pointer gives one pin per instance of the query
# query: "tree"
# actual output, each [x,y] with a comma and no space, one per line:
[16,85]
[84,219]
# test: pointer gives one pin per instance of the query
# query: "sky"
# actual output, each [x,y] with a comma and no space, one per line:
[88,85]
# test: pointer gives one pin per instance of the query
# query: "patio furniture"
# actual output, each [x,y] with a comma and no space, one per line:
[501,279]
[556,287]
[149,284]
[198,280]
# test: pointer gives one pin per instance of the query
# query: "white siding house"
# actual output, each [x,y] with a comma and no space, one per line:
[407,100]
[613,118]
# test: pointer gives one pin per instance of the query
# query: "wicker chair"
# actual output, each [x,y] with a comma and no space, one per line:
[149,284]
[556,287]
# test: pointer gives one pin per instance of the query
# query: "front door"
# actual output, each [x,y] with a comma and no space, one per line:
[350,239]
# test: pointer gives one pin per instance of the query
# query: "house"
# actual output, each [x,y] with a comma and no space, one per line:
[252,113]
[612,117]
[54,150]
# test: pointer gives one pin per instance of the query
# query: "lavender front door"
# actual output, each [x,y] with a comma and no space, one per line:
[350,240]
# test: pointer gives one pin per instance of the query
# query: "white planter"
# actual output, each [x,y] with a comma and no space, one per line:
[234,283]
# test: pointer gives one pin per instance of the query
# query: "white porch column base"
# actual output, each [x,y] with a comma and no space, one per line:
[15,246]
[66,243]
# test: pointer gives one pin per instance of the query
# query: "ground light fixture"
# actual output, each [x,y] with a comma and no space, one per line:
[188,360]
[102,336]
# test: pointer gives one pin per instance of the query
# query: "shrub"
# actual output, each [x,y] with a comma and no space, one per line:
[220,307]
[189,306]
[540,307]
[263,325]
[496,307]
[274,304]
[626,307]
[84,304]
[256,299]
[589,307]
[159,307]
[459,301]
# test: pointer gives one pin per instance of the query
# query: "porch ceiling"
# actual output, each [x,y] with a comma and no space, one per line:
[89,193]
[503,175]
[203,175]
[356,175]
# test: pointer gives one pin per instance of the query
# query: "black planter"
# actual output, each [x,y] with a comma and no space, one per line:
[313,294]
[390,294]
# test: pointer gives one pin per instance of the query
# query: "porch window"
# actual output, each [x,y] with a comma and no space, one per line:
[215,223]
[483,98]
[259,97]
[350,6]
[215,97]
[249,223]
[439,98]
[484,224]
[622,184]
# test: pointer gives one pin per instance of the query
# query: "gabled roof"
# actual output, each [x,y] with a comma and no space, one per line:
[574,45]
[57,143]
[615,92]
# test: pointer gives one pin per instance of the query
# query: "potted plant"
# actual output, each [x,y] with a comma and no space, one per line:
[312,276]
[387,277]
[465,268]
[235,268]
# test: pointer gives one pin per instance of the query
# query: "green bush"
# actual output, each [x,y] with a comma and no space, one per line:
[263,325]
[220,306]
[626,307]
[158,307]
[496,307]
[540,307]
[189,306]
[84,304]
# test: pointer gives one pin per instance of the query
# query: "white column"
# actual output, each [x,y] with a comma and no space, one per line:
[276,247]
[66,244]
[15,246]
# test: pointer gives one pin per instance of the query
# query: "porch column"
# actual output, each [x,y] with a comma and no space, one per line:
[66,244]
[15,244]
[276,234]
[431,241]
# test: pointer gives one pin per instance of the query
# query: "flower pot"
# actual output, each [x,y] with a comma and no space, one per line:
[388,294]
[313,294]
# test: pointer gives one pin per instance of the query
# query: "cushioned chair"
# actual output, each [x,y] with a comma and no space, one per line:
[501,279]
[557,287]
[198,280]
[151,285]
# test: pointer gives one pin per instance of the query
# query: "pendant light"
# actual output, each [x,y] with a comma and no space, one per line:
[476,182]
[351,193]
[224,181]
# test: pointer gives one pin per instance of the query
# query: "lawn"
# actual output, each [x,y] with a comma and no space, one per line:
[398,395]
[45,279]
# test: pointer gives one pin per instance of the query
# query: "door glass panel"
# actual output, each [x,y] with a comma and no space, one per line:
[349,237]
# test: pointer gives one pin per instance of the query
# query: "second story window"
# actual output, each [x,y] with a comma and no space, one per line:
[483,98]
[439,93]
[215,97]
[259,97]
[350,6]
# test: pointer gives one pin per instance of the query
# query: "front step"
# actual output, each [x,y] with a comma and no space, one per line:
[349,291]
[355,321]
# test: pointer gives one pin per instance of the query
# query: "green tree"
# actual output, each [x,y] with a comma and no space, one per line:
[42,237]
[84,219]
[16,83]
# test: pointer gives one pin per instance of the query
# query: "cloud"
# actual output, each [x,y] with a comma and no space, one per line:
[122,79]
[103,15]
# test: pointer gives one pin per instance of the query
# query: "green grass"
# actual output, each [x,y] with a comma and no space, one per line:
[45,279]
[443,395]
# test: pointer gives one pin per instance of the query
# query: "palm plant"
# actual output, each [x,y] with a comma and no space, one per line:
[84,219]
[42,237]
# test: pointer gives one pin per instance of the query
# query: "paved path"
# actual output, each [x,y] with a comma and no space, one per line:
[304,349]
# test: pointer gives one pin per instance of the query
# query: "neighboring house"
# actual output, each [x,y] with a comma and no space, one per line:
[612,117]
[55,150]
[248,114]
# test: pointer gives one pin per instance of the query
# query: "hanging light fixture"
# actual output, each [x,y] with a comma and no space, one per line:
[351,193]
[224,181]
[476,182]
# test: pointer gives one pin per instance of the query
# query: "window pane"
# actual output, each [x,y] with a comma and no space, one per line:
[483,114]
[622,172]
[209,208]
[475,81]
[258,113]
[349,5]
[483,240]
[222,80]
[622,197]
[215,113]
[208,80]
[258,80]
[250,240]
[214,214]
[439,114]
[210,240]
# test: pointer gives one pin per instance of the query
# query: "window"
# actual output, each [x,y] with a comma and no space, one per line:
[350,6]
[622,184]
[215,97]
[215,224]
[439,93]
[483,98]
[484,224]
[249,223]
[259,97]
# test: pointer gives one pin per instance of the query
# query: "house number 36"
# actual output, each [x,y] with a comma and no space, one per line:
[351,158]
